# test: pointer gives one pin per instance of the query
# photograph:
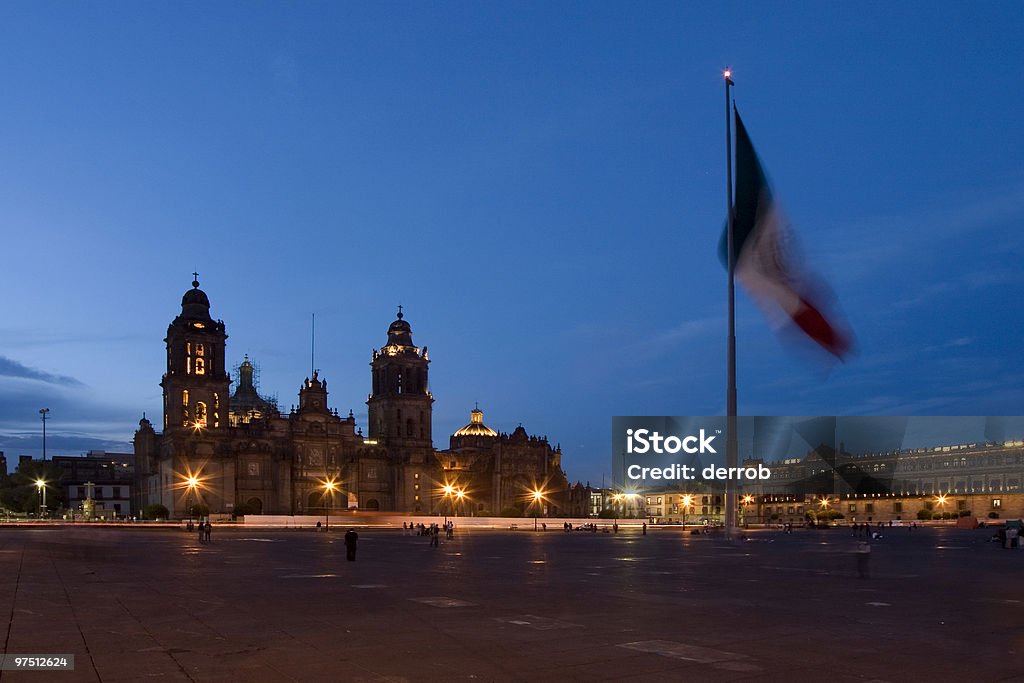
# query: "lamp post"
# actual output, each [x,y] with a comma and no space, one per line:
[329,488]
[449,490]
[43,412]
[41,488]
[824,508]
[192,483]
[747,500]
[687,503]
[459,495]
[537,495]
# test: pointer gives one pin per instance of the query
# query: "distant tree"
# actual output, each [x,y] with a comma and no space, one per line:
[243,509]
[155,511]
[22,493]
[924,514]
[607,513]
[200,510]
[965,513]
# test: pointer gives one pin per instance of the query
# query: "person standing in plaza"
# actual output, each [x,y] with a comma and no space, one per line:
[207,530]
[351,541]
[202,531]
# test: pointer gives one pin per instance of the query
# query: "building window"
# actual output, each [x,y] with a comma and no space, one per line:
[201,414]
[869,508]
[961,505]
[81,492]
[897,506]
[853,507]
[200,366]
[117,492]
[997,503]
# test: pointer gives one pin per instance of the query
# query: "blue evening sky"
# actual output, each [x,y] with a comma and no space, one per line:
[541,185]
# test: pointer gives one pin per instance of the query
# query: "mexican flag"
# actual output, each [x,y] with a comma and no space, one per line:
[766,262]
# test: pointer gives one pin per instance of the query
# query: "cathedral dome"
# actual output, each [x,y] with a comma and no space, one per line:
[195,303]
[400,332]
[476,426]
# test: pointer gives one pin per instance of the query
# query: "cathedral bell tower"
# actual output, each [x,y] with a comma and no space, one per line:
[400,405]
[195,384]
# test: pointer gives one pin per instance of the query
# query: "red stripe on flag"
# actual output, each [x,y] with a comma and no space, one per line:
[814,324]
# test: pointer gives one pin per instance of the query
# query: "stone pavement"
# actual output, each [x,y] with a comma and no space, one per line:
[154,605]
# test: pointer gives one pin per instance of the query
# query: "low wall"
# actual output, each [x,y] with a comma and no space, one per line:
[370,519]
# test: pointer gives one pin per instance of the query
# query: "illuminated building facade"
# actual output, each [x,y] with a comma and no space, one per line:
[250,457]
[981,480]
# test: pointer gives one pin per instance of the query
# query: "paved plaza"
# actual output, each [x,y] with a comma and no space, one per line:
[259,605]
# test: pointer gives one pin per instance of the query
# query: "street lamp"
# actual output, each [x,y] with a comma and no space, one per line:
[41,487]
[191,483]
[537,495]
[43,412]
[687,503]
[747,500]
[824,508]
[459,495]
[329,488]
[449,490]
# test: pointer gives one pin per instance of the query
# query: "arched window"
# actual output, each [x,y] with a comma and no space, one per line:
[410,428]
[201,414]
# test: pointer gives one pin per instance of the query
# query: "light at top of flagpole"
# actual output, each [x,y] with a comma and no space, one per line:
[727,73]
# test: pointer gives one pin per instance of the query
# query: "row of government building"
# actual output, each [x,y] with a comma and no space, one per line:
[228,447]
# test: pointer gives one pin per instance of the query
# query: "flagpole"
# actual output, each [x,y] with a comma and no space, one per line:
[731,436]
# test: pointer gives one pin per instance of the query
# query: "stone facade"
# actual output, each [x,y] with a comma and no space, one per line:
[233,451]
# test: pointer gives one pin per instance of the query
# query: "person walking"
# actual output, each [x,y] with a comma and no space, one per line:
[207,530]
[645,528]
[434,536]
[202,531]
[351,540]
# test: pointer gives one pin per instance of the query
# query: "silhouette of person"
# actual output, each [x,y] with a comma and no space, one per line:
[351,540]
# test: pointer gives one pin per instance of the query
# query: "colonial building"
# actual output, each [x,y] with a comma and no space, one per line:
[981,480]
[237,451]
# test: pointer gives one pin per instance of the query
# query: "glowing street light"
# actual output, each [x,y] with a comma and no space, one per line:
[192,483]
[329,488]
[687,504]
[459,495]
[746,500]
[449,491]
[41,486]
[537,496]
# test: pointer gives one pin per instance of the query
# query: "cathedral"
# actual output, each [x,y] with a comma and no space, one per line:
[234,450]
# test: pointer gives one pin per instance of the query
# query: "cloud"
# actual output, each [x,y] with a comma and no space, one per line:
[12,368]
[863,248]
[688,330]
